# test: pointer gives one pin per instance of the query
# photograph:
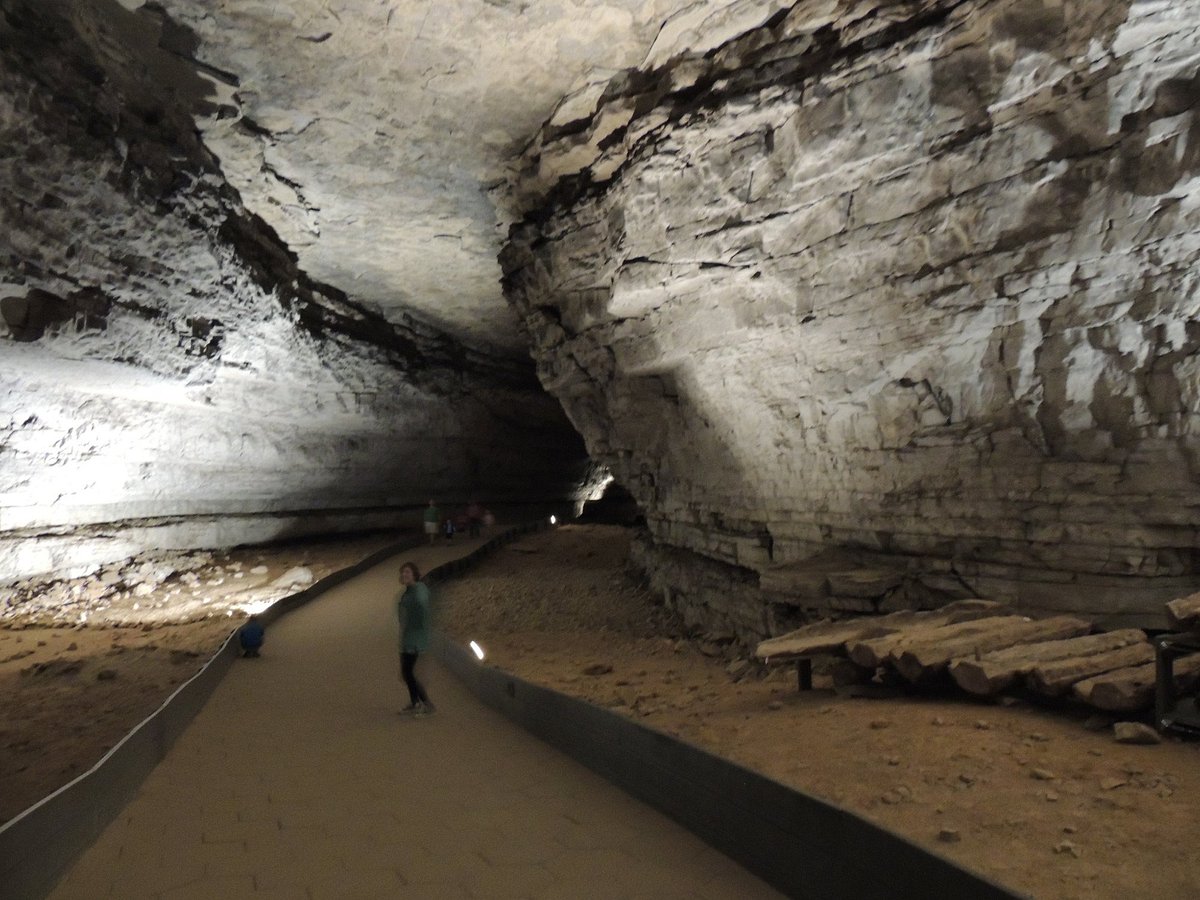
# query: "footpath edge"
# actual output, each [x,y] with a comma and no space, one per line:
[801,845]
[40,844]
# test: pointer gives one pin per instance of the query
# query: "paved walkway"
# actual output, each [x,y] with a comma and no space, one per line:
[299,780]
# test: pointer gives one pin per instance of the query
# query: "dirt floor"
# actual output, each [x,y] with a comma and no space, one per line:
[1028,796]
[1025,795]
[83,661]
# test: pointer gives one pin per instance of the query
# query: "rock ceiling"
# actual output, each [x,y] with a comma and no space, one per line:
[376,136]
[249,282]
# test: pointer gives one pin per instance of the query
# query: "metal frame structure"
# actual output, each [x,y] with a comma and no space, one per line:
[1174,712]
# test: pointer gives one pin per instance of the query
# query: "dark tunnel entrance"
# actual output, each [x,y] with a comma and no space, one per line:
[616,506]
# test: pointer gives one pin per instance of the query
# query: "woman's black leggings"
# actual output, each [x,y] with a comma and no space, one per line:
[416,691]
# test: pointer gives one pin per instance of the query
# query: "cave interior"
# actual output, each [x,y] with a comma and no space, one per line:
[852,306]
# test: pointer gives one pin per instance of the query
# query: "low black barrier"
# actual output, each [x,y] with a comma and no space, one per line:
[802,846]
[41,843]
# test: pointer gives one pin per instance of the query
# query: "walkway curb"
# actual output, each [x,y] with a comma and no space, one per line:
[41,843]
[800,845]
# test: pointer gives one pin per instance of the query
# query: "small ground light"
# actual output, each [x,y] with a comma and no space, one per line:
[478,650]
[553,520]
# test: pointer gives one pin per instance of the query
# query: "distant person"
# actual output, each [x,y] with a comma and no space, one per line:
[474,518]
[433,518]
[413,612]
[448,528]
[250,637]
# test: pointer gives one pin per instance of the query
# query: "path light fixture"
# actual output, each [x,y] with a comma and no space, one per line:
[477,649]
[553,520]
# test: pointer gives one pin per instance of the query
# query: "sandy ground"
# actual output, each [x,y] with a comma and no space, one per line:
[83,661]
[1023,794]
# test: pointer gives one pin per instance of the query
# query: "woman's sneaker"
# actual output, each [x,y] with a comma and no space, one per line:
[411,709]
[425,709]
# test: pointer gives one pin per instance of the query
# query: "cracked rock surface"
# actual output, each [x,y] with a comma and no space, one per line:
[368,135]
[913,282]
[172,376]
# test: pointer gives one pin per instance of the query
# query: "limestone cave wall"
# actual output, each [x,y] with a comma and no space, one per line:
[903,288]
[170,376]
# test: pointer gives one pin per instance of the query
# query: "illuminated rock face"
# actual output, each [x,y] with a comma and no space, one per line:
[372,136]
[903,290]
[171,376]
[917,294]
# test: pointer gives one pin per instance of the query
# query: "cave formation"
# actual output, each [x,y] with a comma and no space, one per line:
[868,305]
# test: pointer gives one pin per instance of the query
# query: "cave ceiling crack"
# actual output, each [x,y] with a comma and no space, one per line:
[720,86]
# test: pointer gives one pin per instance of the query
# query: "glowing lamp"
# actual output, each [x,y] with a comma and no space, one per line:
[477,650]
[553,520]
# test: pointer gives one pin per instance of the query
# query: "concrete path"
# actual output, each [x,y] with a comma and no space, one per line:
[300,781]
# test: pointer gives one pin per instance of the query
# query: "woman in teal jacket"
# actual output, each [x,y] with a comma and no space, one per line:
[413,612]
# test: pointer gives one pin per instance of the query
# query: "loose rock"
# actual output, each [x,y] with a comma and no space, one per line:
[1135,733]
[737,668]
[1068,848]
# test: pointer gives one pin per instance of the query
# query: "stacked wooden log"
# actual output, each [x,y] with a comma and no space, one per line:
[987,650]
[1051,667]
[831,637]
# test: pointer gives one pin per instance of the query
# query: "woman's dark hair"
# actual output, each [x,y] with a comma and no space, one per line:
[412,567]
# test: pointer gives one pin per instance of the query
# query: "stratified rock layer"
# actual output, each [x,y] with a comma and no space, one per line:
[171,378]
[368,134]
[915,281]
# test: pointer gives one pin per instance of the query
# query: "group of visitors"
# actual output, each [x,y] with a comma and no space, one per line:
[412,606]
[471,520]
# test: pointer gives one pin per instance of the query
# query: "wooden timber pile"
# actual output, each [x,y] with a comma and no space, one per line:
[988,650]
